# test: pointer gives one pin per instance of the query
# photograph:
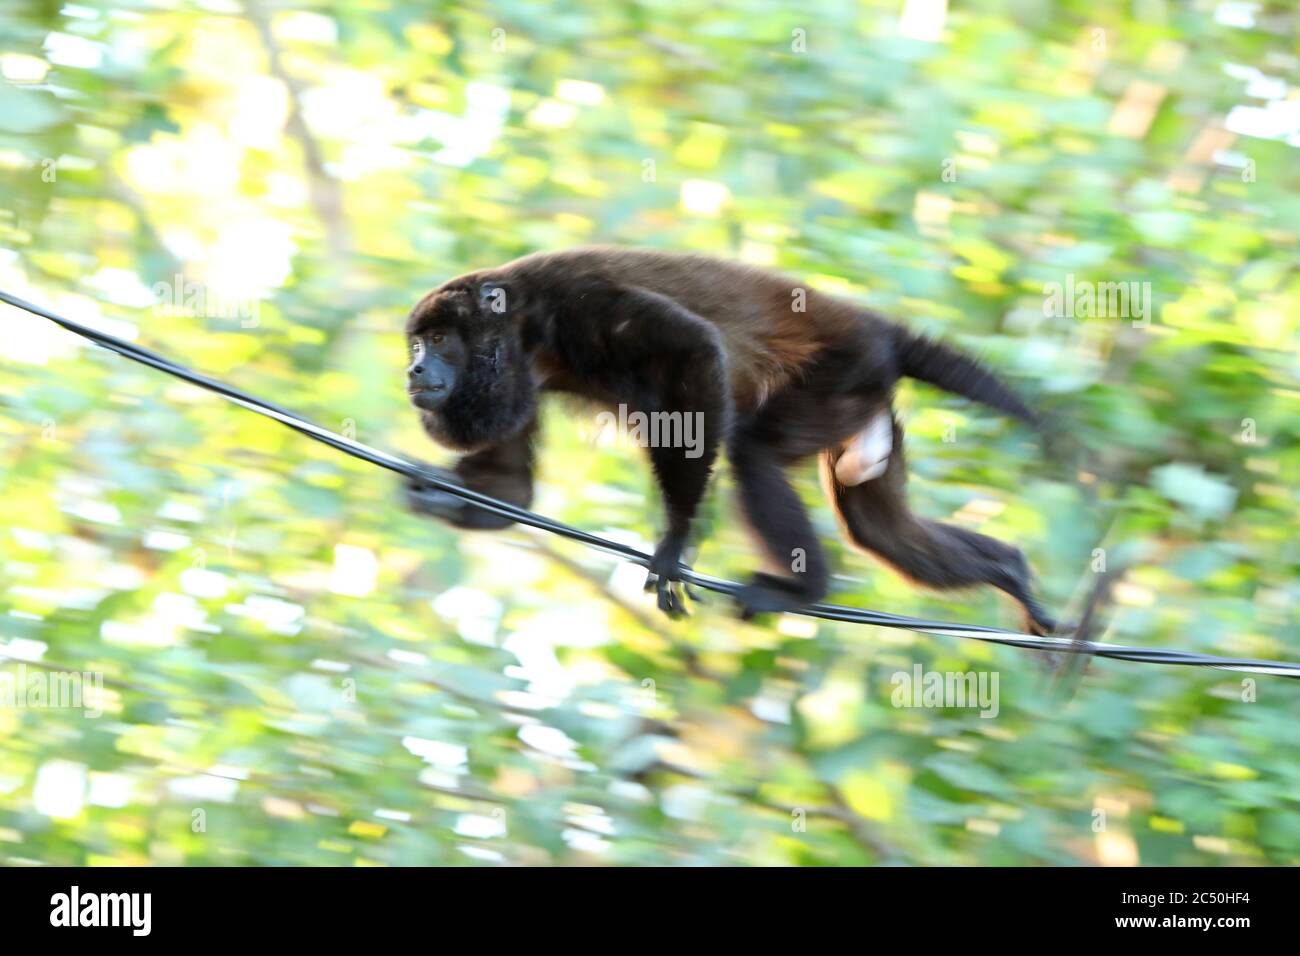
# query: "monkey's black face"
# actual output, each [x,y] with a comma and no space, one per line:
[436,357]
[468,376]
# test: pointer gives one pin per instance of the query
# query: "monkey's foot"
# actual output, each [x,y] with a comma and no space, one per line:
[769,594]
[672,594]
[664,577]
[1038,621]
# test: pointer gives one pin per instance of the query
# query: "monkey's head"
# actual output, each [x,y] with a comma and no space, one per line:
[469,374]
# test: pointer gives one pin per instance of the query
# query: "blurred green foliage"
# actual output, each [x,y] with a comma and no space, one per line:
[296,671]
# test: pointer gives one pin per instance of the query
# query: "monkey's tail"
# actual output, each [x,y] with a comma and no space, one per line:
[953,371]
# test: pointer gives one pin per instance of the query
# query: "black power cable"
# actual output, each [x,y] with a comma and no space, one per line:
[832,612]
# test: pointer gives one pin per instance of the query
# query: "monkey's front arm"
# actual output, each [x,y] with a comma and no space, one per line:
[657,360]
[667,369]
[503,470]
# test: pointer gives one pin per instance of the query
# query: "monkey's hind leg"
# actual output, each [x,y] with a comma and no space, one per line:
[779,520]
[875,516]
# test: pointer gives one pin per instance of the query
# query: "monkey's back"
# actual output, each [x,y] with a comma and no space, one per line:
[770,325]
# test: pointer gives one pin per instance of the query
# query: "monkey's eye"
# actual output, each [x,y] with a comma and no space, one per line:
[437,338]
[417,349]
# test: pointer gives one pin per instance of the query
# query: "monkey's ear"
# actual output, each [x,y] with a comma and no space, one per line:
[499,297]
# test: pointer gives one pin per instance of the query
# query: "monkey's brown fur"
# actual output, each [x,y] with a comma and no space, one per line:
[780,372]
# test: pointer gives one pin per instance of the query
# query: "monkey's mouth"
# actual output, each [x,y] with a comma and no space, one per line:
[428,397]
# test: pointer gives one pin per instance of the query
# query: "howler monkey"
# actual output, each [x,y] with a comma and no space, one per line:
[773,371]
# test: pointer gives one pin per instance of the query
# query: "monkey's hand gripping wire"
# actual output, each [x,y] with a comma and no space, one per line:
[426,474]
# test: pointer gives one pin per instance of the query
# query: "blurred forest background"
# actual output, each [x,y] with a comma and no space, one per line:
[297,671]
